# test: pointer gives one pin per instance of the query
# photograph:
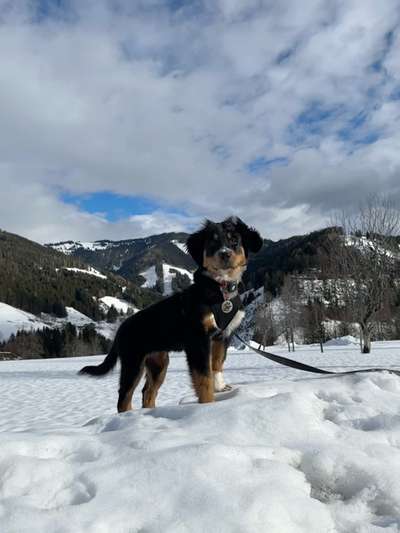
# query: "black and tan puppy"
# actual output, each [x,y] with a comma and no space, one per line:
[199,320]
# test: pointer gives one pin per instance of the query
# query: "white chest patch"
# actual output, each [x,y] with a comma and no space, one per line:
[234,323]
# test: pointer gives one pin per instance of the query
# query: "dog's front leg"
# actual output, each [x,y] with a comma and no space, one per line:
[218,356]
[199,361]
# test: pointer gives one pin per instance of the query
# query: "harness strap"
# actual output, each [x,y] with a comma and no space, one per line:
[224,317]
[307,368]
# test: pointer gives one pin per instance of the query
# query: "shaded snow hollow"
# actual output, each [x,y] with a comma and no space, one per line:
[289,453]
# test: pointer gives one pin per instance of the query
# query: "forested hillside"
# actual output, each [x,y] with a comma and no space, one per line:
[299,254]
[38,279]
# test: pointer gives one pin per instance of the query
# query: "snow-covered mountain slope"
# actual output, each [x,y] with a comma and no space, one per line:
[69,247]
[121,306]
[169,272]
[130,257]
[180,245]
[89,270]
[364,243]
[75,317]
[150,276]
[38,279]
[13,320]
[289,453]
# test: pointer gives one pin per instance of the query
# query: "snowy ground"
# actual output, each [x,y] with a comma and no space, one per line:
[291,452]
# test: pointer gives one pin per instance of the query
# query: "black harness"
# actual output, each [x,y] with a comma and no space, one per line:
[224,317]
[222,297]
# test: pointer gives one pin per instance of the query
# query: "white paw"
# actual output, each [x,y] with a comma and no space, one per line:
[219,383]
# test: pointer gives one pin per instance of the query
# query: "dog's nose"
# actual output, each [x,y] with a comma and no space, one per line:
[225,254]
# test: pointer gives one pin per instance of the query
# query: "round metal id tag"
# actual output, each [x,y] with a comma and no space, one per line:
[227,306]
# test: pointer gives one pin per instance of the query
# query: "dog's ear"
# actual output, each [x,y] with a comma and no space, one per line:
[252,240]
[196,242]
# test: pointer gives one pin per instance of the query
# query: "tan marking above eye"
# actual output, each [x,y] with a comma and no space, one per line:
[215,236]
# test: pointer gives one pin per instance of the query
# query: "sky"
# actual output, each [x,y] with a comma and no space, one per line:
[120,119]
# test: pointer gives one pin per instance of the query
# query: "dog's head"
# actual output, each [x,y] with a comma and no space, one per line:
[222,248]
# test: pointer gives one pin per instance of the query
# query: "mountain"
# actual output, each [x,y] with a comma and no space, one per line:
[83,283]
[300,253]
[38,279]
[147,261]
[158,261]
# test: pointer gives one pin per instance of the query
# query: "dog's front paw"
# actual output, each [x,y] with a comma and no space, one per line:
[219,383]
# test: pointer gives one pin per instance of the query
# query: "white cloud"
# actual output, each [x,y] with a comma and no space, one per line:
[136,99]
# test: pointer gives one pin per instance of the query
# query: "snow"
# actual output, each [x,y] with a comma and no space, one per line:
[289,453]
[150,276]
[108,329]
[120,305]
[180,245]
[13,319]
[343,341]
[90,270]
[364,243]
[76,317]
[68,247]
[169,272]
[80,320]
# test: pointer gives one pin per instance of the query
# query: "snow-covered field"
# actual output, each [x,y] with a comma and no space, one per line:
[290,452]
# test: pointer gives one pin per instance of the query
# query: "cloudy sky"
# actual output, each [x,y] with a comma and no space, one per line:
[122,118]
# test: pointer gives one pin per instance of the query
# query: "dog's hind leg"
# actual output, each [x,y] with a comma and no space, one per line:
[199,361]
[128,381]
[156,366]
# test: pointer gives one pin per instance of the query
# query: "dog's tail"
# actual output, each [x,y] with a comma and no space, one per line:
[104,367]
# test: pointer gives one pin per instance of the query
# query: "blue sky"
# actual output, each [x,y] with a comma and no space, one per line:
[120,119]
[112,206]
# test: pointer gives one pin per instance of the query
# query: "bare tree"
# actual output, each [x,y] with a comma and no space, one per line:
[291,309]
[364,259]
[265,326]
[313,317]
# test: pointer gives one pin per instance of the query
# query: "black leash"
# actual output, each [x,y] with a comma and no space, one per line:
[301,366]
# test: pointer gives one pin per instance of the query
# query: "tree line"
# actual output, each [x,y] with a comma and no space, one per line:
[355,289]
[67,341]
[34,278]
